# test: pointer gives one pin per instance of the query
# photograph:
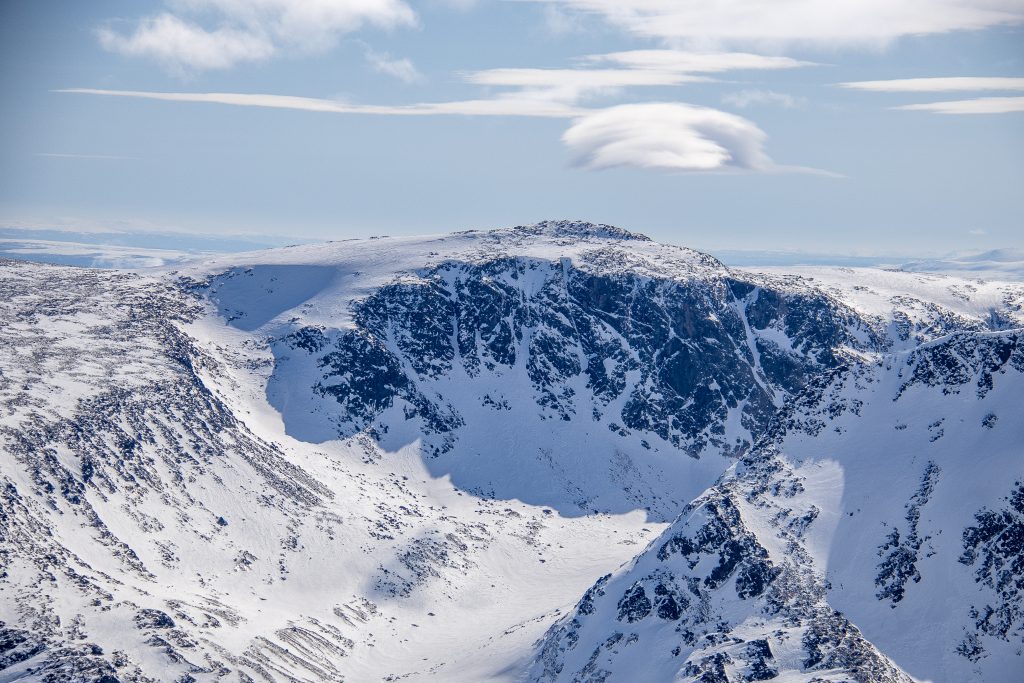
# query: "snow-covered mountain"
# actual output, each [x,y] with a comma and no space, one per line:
[552,452]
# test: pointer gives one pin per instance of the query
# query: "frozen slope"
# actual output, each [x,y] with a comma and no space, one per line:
[876,535]
[157,523]
[405,457]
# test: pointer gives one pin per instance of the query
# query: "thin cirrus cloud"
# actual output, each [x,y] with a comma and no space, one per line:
[403,69]
[247,30]
[979,105]
[65,155]
[774,24]
[661,136]
[573,85]
[664,136]
[499,106]
[939,84]
[635,68]
[753,97]
[696,62]
[525,91]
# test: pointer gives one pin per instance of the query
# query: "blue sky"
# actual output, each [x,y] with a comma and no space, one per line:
[719,125]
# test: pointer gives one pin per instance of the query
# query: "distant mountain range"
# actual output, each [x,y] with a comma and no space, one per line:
[147,249]
[1006,263]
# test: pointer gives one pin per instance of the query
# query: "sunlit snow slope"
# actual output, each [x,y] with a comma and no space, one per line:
[409,458]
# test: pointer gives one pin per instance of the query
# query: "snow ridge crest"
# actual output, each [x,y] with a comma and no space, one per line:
[570,228]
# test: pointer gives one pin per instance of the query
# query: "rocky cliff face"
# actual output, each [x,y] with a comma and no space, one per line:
[406,457]
[676,358]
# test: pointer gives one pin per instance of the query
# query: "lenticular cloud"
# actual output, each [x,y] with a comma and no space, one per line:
[667,136]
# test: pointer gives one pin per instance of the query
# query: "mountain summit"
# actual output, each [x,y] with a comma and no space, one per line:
[564,228]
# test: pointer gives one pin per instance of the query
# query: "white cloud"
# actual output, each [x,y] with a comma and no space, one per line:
[248,30]
[573,85]
[942,84]
[457,5]
[179,44]
[824,22]
[560,22]
[533,91]
[500,106]
[980,105]
[667,136]
[402,69]
[745,98]
[636,68]
[696,62]
[310,24]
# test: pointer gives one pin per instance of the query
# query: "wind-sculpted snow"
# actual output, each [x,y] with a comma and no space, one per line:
[286,287]
[408,458]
